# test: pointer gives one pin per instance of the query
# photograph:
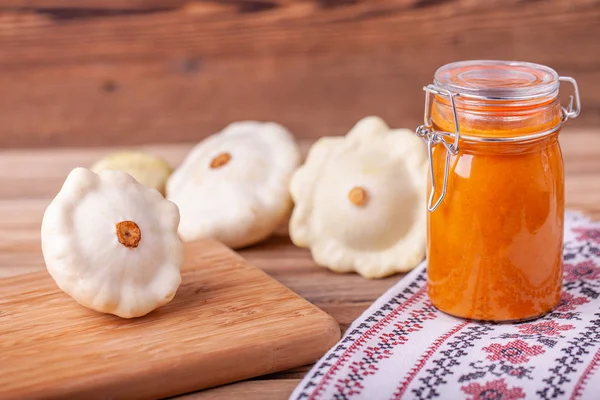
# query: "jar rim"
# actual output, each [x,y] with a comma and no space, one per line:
[498,79]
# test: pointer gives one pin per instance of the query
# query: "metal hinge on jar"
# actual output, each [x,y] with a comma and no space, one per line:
[433,138]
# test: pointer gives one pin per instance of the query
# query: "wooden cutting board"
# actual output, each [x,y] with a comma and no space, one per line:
[228,321]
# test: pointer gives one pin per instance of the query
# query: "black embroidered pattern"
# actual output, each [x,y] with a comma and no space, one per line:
[549,342]
[572,359]
[449,358]
[569,316]
[497,369]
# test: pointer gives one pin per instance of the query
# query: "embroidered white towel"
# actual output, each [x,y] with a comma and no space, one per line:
[403,348]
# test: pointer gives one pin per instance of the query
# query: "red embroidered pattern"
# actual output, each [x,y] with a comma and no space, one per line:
[587,234]
[583,270]
[494,390]
[516,352]
[548,328]
[568,302]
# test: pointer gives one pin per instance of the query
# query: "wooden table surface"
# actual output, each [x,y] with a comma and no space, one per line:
[30,178]
[102,72]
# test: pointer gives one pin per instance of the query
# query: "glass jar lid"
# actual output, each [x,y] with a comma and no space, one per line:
[498,80]
[501,82]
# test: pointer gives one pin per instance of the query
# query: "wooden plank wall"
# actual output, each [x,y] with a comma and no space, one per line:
[98,72]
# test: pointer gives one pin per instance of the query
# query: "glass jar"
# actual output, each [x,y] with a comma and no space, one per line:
[496,197]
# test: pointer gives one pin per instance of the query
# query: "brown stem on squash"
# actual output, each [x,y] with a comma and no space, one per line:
[220,160]
[129,234]
[358,196]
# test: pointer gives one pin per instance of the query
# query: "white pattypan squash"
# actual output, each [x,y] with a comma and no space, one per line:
[360,200]
[146,168]
[111,243]
[233,186]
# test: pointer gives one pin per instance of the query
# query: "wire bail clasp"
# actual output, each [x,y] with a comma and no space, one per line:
[433,138]
[571,112]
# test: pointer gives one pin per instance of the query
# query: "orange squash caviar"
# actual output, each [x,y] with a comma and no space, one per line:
[495,237]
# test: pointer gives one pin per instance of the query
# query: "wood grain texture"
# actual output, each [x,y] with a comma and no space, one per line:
[94,6]
[228,321]
[79,73]
[250,390]
[30,178]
